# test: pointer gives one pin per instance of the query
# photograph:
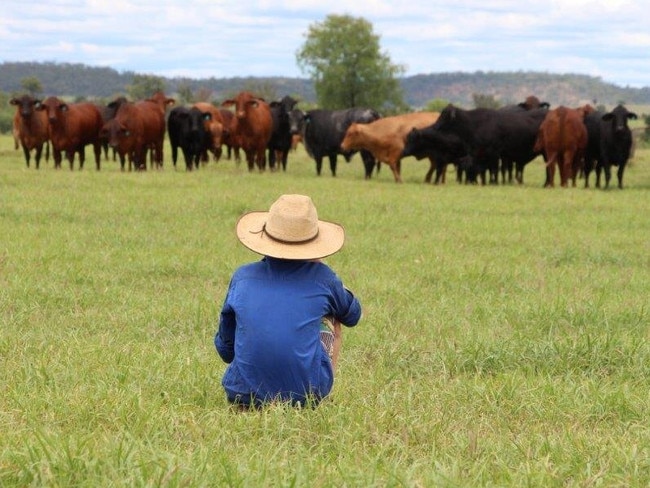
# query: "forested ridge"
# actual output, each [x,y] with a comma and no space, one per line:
[78,80]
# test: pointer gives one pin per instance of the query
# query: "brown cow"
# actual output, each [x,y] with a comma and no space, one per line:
[214,127]
[30,128]
[162,103]
[72,126]
[562,138]
[253,126]
[385,138]
[135,129]
[229,138]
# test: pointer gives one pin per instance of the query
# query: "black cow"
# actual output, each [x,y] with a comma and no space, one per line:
[443,148]
[508,165]
[609,142]
[493,134]
[280,143]
[323,130]
[187,130]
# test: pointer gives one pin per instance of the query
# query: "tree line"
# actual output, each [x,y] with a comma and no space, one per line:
[346,68]
[78,80]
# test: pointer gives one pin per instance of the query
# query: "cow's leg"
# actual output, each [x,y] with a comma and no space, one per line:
[272,159]
[429,175]
[97,147]
[441,173]
[174,155]
[261,159]
[56,155]
[608,174]
[319,164]
[333,164]
[619,173]
[285,157]
[368,163]
[28,156]
[396,171]
[70,156]
[37,156]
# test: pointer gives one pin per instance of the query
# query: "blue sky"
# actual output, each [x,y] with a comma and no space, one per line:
[204,38]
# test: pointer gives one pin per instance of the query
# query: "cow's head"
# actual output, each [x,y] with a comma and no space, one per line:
[296,121]
[54,107]
[619,117]
[242,103]
[25,105]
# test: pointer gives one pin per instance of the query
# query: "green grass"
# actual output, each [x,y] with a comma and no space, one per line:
[504,340]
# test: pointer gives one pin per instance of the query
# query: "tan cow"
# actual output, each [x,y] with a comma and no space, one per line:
[385,137]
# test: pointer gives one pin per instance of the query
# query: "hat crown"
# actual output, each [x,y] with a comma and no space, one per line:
[292,219]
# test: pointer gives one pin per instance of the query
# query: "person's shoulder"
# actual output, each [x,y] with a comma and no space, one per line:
[325,271]
[249,269]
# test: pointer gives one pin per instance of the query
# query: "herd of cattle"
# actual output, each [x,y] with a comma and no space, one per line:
[482,143]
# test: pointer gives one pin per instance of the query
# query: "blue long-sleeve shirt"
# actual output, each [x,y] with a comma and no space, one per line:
[269,330]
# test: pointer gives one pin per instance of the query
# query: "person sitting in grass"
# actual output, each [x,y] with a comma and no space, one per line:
[279,329]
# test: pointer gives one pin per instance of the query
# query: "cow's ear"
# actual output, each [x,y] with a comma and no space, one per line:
[608,116]
[207,116]
[227,103]
[63,107]
[631,116]
[14,101]
[253,103]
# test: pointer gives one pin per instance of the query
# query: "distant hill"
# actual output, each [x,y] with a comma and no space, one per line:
[77,80]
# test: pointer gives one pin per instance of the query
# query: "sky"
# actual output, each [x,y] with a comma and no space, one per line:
[609,39]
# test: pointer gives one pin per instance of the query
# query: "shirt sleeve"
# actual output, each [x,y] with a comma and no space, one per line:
[224,339]
[347,306]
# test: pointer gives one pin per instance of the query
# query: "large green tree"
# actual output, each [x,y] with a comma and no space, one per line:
[144,86]
[343,58]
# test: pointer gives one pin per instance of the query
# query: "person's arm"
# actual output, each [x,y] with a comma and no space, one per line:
[348,307]
[224,339]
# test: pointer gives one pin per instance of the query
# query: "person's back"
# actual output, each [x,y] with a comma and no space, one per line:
[270,325]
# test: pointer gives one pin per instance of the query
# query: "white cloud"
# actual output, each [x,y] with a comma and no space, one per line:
[201,38]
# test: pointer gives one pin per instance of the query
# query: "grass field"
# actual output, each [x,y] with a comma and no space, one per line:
[504,340]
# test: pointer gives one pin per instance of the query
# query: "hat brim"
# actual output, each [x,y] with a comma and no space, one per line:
[329,240]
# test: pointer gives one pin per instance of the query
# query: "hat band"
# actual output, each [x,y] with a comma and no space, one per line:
[282,241]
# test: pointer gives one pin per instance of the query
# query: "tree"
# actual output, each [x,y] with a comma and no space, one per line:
[342,57]
[31,85]
[436,105]
[143,86]
[184,92]
[482,100]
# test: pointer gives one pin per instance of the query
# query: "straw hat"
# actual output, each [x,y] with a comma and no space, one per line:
[290,230]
